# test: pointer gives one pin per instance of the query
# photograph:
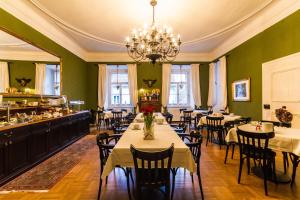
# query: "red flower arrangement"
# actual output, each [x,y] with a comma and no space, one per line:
[148,116]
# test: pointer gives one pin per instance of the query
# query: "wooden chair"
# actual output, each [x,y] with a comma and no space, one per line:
[187,118]
[105,143]
[193,141]
[196,120]
[255,146]
[214,125]
[152,170]
[181,113]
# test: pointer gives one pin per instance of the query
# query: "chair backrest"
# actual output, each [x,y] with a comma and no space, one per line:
[194,136]
[251,143]
[169,117]
[195,148]
[103,142]
[152,168]
[181,110]
[187,113]
[214,123]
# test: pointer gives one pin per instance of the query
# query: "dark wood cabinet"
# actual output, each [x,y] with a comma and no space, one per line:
[17,149]
[3,144]
[38,140]
[23,147]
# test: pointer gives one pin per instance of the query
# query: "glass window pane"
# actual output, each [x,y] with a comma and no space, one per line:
[115,99]
[173,89]
[125,99]
[114,89]
[173,99]
[125,89]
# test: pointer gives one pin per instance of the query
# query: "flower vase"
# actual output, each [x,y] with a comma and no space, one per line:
[149,132]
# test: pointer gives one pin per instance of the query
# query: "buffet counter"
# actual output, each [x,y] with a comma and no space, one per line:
[23,145]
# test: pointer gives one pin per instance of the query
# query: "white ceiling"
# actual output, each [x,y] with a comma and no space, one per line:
[95,29]
[12,48]
[102,25]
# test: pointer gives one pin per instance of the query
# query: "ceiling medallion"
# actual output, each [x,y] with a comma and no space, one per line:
[153,43]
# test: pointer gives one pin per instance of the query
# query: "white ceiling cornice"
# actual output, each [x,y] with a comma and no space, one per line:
[123,57]
[273,14]
[276,11]
[28,56]
[25,13]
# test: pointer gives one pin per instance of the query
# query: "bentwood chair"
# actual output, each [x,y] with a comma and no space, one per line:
[215,126]
[187,118]
[228,126]
[193,141]
[181,113]
[105,143]
[152,170]
[255,146]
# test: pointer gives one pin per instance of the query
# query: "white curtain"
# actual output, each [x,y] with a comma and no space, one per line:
[4,76]
[132,82]
[195,79]
[102,85]
[40,76]
[166,75]
[211,101]
[222,99]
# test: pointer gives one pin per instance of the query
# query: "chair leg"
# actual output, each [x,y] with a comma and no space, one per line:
[227,149]
[207,137]
[265,176]
[240,169]
[248,165]
[99,190]
[284,154]
[128,184]
[295,162]
[200,182]
[106,180]
[174,171]
[192,177]
[233,146]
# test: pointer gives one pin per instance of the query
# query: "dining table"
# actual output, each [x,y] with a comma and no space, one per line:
[164,137]
[285,140]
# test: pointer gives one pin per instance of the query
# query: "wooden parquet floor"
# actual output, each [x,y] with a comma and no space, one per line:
[219,182]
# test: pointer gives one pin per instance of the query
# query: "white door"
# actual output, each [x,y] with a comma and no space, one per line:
[281,87]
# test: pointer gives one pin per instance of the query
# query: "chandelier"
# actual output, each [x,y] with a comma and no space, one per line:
[153,43]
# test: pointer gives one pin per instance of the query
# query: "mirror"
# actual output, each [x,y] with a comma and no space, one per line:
[26,69]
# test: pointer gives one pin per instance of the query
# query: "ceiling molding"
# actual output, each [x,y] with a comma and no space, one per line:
[265,19]
[36,21]
[83,33]
[123,57]
[28,56]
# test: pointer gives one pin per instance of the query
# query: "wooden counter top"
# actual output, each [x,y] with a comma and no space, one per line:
[4,128]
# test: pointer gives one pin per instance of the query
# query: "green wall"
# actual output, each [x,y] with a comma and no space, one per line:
[246,60]
[21,69]
[144,71]
[74,73]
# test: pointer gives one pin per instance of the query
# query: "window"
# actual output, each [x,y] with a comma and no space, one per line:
[52,80]
[180,86]
[118,90]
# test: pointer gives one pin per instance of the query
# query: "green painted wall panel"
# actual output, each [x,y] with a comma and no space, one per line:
[246,60]
[74,73]
[21,69]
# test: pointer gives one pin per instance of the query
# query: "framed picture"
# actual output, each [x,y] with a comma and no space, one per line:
[241,90]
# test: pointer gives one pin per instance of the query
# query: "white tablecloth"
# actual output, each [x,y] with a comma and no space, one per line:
[164,137]
[286,139]
[227,118]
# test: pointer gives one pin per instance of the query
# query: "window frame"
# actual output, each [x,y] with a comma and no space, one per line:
[185,69]
[112,69]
